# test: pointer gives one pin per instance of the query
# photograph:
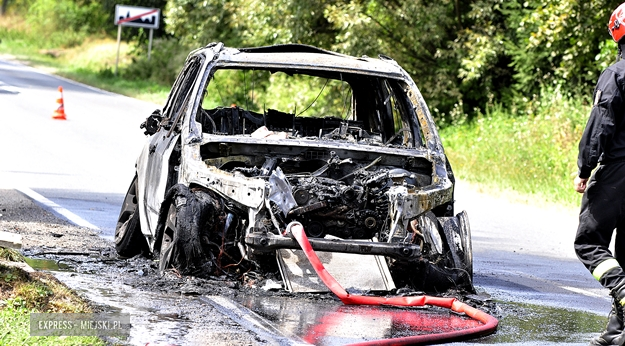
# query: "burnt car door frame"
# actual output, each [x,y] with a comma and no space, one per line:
[156,167]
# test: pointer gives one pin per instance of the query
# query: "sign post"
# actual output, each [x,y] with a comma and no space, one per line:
[141,17]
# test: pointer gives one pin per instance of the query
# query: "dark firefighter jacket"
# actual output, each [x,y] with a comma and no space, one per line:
[604,137]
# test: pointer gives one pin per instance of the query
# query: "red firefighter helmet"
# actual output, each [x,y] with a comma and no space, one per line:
[616,26]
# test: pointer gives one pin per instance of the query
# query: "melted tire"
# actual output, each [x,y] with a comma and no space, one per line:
[187,215]
[129,241]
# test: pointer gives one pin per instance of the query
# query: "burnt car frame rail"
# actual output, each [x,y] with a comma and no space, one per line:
[270,242]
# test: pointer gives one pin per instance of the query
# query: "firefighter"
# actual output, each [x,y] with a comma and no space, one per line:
[603,203]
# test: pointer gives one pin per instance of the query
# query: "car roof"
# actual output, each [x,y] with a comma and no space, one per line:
[304,57]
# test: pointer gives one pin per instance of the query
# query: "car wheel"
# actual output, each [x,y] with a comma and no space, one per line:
[167,240]
[186,216]
[129,241]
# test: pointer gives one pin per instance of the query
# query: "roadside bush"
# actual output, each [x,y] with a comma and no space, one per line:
[66,15]
[534,152]
[57,23]
[168,56]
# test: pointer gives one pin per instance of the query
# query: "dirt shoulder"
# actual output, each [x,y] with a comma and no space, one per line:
[42,232]
[84,251]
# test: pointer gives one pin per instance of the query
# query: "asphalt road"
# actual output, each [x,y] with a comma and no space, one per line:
[523,252]
[84,163]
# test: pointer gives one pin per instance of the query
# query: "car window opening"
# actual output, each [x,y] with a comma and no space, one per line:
[337,106]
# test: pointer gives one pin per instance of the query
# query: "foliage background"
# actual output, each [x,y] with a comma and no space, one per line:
[465,55]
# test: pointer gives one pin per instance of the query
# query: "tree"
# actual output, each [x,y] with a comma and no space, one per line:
[463,54]
[250,22]
[559,43]
[415,33]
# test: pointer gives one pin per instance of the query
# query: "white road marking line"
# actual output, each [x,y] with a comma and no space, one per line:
[567,288]
[9,87]
[18,66]
[252,321]
[581,291]
[75,219]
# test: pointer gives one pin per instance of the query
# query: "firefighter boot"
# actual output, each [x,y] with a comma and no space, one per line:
[613,334]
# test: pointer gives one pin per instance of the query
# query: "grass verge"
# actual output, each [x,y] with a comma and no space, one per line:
[533,154]
[22,293]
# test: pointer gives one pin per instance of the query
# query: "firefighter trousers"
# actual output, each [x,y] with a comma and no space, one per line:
[602,212]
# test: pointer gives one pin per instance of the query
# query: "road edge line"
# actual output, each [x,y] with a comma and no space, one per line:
[248,319]
[584,292]
[57,209]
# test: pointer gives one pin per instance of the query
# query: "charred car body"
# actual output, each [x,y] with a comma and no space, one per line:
[251,139]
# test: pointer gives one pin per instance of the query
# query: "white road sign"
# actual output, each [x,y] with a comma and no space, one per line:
[142,17]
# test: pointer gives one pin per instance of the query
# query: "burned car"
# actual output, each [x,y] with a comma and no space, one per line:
[252,139]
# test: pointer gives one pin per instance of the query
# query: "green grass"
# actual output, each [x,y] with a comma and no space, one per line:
[10,255]
[22,293]
[15,330]
[533,154]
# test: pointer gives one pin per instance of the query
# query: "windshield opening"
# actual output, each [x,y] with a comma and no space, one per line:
[313,105]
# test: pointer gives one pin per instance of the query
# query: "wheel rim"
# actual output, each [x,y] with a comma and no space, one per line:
[127,211]
[167,241]
[121,231]
[465,231]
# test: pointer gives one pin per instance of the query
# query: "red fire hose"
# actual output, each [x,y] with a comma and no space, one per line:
[489,322]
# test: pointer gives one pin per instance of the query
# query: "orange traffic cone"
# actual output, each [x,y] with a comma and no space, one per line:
[59,113]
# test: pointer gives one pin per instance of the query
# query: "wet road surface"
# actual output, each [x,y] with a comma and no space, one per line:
[174,318]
